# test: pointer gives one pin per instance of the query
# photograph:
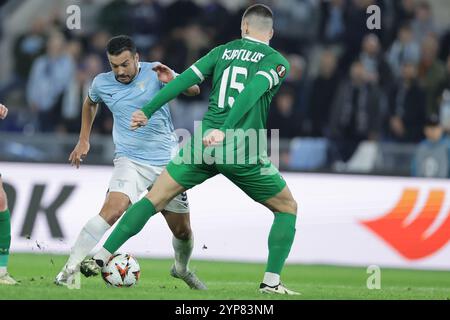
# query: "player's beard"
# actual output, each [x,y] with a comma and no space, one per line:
[124,79]
[127,79]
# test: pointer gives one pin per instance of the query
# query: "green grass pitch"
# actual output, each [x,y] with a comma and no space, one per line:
[226,280]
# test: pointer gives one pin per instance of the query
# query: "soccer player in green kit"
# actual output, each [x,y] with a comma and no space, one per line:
[5,226]
[246,74]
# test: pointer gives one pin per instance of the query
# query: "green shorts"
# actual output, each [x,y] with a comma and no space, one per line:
[260,181]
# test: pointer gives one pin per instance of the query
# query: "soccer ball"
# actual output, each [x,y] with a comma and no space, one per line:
[122,270]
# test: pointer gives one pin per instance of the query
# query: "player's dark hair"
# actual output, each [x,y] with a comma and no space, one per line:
[119,44]
[259,10]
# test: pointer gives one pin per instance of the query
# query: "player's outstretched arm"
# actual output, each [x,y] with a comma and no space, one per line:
[165,75]
[181,83]
[87,119]
[200,70]
[3,111]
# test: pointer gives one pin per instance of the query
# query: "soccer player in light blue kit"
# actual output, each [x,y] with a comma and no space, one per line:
[140,157]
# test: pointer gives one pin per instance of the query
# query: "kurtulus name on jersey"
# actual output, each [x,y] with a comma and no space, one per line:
[242,54]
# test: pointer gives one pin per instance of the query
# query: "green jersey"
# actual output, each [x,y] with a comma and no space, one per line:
[246,74]
[234,66]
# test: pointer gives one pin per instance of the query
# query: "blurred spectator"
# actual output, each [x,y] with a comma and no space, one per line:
[404,49]
[407,108]
[356,114]
[321,97]
[50,77]
[283,115]
[97,45]
[377,69]
[113,17]
[27,47]
[423,24]
[431,71]
[181,13]
[186,47]
[445,45]
[296,80]
[76,93]
[74,48]
[303,14]
[355,30]
[146,17]
[216,19]
[405,12]
[332,21]
[443,99]
[432,157]
[157,53]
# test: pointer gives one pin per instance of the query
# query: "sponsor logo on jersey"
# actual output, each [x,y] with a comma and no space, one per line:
[281,70]
[243,55]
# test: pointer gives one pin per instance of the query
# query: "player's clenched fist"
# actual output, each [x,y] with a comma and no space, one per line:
[138,119]
[3,111]
[79,153]
[214,138]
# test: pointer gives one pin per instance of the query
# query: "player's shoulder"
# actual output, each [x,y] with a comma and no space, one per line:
[148,65]
[275,56]
[103,79]
[275,62]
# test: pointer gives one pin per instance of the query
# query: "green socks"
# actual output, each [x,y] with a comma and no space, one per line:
[131,223]
[5,237]
[281,237]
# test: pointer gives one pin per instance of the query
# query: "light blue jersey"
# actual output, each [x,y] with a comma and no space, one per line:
[156,143]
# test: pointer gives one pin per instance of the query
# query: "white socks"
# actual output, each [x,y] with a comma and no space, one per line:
[183,251]
[94,230]
[88,238]
[3,271]
[103,255]
[271,279]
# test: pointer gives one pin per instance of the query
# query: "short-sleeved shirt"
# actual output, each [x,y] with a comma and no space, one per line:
[232,66]
[154,144]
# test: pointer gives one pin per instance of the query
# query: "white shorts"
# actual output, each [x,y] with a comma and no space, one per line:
[134,179]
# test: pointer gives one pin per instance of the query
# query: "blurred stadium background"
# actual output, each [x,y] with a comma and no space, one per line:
[363,117]
[357,100]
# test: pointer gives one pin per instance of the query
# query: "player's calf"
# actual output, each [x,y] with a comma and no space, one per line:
[281,236]
[115,205]
[179,224]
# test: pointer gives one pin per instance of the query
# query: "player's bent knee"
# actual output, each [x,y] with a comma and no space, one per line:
[111,216]
[293,207]
[182,232]
[286,206]
[158,201]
